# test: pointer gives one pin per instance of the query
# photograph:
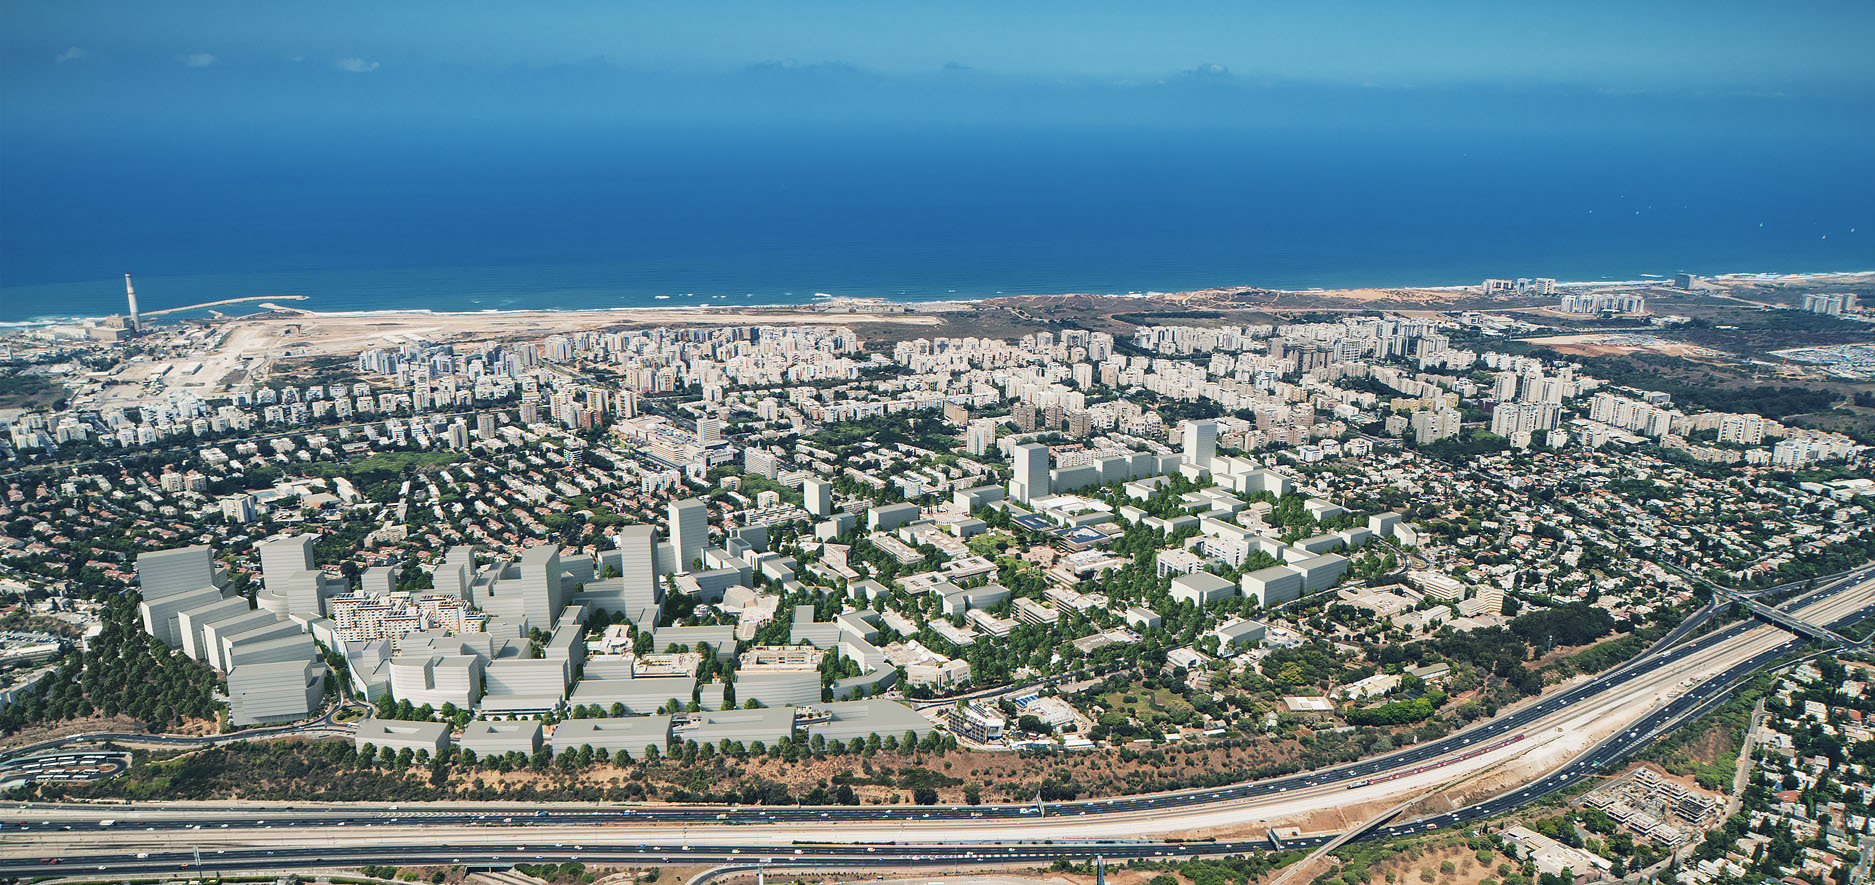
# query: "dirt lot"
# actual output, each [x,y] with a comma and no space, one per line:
[1618,343]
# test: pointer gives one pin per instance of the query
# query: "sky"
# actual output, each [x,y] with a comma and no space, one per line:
[1661,44]
[175,66]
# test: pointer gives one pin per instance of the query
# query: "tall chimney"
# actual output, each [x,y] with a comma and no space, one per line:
[136,322]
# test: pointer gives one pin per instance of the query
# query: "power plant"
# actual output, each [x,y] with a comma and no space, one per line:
[130,291]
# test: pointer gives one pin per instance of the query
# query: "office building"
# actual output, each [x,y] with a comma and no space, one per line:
[818,495]
[292,582]
[689,529]
[977,724]
[1201,588]
[436,680]
[1031,473]
[488,739]
[638,554]
[1200,443]
[768,725]
[286,691]
[192,624]
[623,734]
[519,685]
[239,508]
[214,631]
[1274,585]
[887,517]
[844,721]
[160,615]
[296,646]
[396,735]
[1320,572]
[543,593]
[165,572]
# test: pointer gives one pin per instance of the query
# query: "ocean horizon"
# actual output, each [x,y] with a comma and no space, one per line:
[724,223]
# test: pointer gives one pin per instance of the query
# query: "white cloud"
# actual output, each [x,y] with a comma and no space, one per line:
[355,65]
[199,59]
[73,53]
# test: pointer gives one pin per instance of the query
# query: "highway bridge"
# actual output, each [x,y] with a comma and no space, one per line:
[1792,623]
[1650,694]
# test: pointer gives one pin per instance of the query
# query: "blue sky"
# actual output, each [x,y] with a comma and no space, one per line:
[73,71]
[1611,45]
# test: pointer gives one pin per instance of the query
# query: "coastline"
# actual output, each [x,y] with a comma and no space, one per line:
[857,308]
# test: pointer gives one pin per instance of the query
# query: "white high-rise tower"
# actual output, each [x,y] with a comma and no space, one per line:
[1031,472]
[1200,443]
[689,529]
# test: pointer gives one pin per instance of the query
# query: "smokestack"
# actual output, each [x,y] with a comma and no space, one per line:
[136,322]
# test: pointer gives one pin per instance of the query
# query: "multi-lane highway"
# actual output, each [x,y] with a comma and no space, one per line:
[325,726]
[1663,686]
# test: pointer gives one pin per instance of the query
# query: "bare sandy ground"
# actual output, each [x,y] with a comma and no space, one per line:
[304,333]
[1609,343]
[290,332]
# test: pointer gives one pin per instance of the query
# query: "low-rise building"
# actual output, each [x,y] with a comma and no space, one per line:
[1202,588]
[399,735]
[975,723]
[623,734]
[487,738]
[847,720]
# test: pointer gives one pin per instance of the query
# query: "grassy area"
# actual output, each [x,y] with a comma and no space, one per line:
[22,391]
[385,463]
[1704,385]
[1147,705]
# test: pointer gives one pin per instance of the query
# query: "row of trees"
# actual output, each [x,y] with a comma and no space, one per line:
[787,749]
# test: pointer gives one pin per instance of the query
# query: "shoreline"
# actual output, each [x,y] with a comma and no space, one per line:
[818,304]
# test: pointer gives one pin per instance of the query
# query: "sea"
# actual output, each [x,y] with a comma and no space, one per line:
[756,218]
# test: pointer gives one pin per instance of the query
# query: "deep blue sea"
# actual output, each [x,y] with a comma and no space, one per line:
[765,218]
